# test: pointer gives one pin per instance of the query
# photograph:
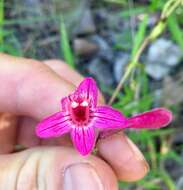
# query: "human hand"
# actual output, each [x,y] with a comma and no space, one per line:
[32,90]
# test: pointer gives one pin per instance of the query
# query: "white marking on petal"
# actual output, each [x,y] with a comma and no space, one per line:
[84,103]
[74,104]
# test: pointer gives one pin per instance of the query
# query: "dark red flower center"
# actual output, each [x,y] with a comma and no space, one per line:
[80,112]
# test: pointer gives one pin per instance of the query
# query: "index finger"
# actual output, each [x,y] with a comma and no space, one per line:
[30,88]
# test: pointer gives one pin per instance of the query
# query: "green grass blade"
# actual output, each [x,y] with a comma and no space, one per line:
[168,181]
[155,5]
[120,2]
[133,12]
[65,46]
[175,30]
[1,21]
[31,20]
[139,35]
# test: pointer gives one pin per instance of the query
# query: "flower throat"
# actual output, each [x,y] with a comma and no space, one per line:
[80,112]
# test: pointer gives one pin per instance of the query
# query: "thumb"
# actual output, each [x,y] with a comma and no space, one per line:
[55,168]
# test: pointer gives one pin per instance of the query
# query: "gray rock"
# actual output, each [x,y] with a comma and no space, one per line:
[174,168]
[84,47]
[152,19]
[71,10]
[119,65]
[157,71]
[179,184]
[86,24]
[178,138]
[36,8]
[101,71]
[172,91]
[107,56]
[105,51]
[161,57]
[101,15]
[114,21]
[103,45]
[165,52]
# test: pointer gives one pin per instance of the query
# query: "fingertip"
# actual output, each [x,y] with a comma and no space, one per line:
[64,71]
[125,158]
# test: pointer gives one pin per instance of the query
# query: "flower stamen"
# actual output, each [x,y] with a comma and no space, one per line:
[80,112]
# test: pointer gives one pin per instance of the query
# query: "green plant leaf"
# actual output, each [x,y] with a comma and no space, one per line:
[139,35]
[65,46]
[175,30]
[1,21]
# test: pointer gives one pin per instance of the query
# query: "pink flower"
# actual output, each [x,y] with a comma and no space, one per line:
[84,120]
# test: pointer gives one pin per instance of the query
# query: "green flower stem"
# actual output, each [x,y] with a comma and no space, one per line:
[169,7]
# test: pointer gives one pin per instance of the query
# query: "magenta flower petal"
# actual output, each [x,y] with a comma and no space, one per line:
[65,103]
[108,118]
[83,139]
[156,118]
[87,90]
[54,125]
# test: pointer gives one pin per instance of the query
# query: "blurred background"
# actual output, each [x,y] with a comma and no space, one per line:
[138,44]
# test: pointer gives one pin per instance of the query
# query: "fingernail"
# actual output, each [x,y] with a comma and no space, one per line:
[138,155]
[82,177]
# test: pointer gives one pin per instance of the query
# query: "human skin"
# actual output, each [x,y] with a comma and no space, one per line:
[32,90]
